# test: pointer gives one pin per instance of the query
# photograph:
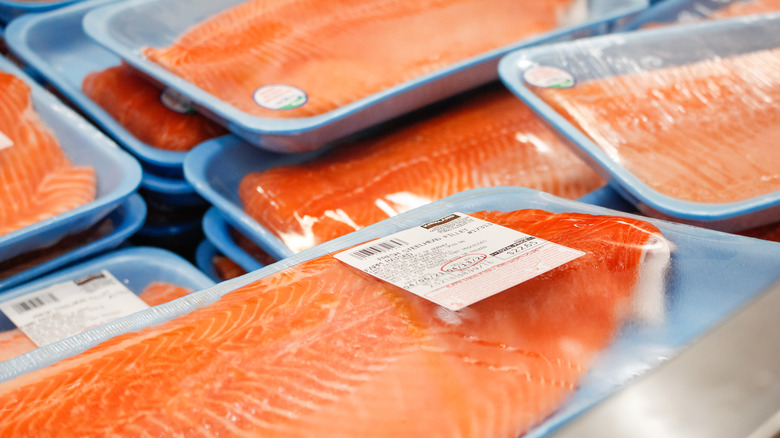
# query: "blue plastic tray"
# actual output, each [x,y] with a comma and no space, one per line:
[204,256]
[609,198]
[624,53]
[118,173]
[125,221]
[175,192]
[218,232]
[65,62]
[135,267]
[712,275]
[675,11]
[10,9]
[216,168]
[128,26]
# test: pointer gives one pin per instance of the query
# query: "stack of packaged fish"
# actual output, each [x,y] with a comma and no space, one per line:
[68,191]
[155,126]
[402,245]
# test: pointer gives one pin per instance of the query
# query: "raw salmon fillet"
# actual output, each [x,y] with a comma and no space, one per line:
[227,269]
[488,140]
[15,343]
[251,248]
[37,181]
[704,132]
[136,104]
[159,292]
[341,51]
[318,349]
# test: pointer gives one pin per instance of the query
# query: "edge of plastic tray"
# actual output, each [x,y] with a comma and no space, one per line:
[308,133]
[668,11]
[195,170]
[626,183]
[204,254]
[472,200]
[172,191]
[86,215]
[217,231]
[608,197]
[162,260]
[127,219]
[10,9]
[17,36]
[198,163]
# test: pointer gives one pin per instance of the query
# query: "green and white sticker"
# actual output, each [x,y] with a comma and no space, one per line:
[280,97]
[548,77]
[175,101]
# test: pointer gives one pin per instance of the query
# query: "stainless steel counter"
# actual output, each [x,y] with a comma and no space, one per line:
[727,384]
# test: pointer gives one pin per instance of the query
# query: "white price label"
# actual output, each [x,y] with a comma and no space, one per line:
[69,308]
[458,260]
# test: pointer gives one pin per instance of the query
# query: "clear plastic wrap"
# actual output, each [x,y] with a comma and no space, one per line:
[684,119]
[39,180]
[125,103]
[106,234]
[310,346]
[686,11]
[481,139]
[155,275]
[98,179]
[216,265]
[139,106]
[233,243]
[268,83]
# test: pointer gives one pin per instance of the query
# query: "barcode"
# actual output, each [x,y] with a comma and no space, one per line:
[34,303]
[381,247]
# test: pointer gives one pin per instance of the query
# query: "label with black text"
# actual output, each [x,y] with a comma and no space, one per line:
[457,260]
[71,307]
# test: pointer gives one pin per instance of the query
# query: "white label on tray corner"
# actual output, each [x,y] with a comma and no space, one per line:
[65,309]
[280,97]
[175,101]
[457,260]
[545,76]
[5,141]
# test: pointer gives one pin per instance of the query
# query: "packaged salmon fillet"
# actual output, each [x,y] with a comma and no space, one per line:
[39,181]
[688,133]
[481,139]
[58,173]
[146,111]
[255,67]
[317,345]
[89,294]
[155,124]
